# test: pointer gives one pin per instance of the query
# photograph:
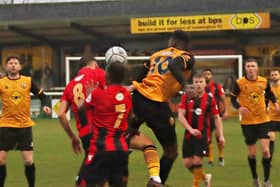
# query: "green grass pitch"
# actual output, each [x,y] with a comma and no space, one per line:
[56,165]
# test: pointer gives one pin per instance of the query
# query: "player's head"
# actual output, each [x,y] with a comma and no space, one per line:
[199,83]
[179,39]
[208,74]
[13,65]
[251,68]
[274,75]
[115,73]
[87,61]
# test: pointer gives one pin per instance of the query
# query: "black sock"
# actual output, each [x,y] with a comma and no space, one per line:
[3,173]
[271,148]
[266,168]
[30,174]
[165,167]
[253,167]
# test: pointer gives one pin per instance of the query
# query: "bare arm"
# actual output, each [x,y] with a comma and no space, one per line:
[185,124]
[67,127]
[219,127]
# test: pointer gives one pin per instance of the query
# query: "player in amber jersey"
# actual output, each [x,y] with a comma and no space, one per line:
[249,96]
[274,114]
[194,113]
[218,92]
[15,122]
[108,151]
[160,79]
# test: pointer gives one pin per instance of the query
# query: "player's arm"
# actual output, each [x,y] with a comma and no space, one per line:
[45,100]
[185,124]
[235,92]
[223,99]
[178,65]
[219,127]
[269,95]
[63,108]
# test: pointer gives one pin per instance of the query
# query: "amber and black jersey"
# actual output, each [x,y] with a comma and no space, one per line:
[15,97]
[161,83]
[253,96]
[198,111]
[273,114]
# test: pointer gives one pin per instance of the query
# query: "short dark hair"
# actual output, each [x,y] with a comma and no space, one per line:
[181,38]
[116,72]
[251,60]
[198,75]
[207,69]
[12,57]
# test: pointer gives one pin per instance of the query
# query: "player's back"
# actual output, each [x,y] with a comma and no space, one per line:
[111,108]
[159,84]
[75,90]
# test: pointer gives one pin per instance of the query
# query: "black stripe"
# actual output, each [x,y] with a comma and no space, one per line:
[117,142]
[101,139]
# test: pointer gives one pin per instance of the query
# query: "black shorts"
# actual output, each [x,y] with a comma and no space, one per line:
[274,126]
[254,132]
[86,142]
[157,116]
[106,166]
[16,139]
[195,147]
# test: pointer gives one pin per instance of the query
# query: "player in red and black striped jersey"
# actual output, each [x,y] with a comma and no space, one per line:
[218,93]
[108,152]
[194,114]
[73,93]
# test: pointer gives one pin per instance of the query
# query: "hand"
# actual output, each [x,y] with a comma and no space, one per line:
[195,132]
[277,108]
[47,110]
[221,141]
[244,111]
[130,88]
[91,86]
[76,145]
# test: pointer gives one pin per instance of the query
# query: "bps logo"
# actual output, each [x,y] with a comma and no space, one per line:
[245,21]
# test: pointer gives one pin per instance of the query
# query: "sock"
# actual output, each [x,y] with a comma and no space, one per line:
[30,174]
[253,166]
[210,152]
[152,160]
[271,148]
[221,150]
[266,168]
[3,173]
[165,167]
[198,175]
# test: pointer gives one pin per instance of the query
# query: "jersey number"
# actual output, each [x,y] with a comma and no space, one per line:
[121,110]
[78,93]
[160,65]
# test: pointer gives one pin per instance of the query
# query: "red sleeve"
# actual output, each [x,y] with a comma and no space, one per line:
[182,104]
[214,107]
[221,91]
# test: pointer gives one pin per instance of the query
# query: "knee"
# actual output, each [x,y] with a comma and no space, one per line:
[28,162]
[266,153]
[2,162]
[171,152]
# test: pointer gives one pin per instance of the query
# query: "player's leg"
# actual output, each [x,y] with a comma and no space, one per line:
[145,144]
[6,143]
[163,126]
[3,170]
[210,145]
[25,145]
[266,160]
[272,138]
[251,135]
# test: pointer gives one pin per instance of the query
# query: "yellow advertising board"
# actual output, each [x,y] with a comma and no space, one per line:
[213,22]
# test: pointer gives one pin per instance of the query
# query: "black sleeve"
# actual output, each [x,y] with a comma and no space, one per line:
[269,95]
[234,94]
[143,71]
[45,100]
[178,65]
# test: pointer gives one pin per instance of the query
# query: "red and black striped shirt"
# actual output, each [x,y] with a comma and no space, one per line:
[198,111]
